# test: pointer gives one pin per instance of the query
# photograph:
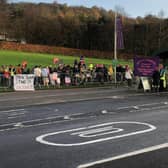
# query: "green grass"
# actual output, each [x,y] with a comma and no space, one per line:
[16,57]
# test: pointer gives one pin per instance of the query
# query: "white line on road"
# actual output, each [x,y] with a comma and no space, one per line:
[34,125]
[12,110]
[42,140]
[149,109]
[134,153]
[16,114]
[14,117]
[140,105]
[38,120]
[100,132]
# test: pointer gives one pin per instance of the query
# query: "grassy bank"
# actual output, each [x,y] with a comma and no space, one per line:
[16,57]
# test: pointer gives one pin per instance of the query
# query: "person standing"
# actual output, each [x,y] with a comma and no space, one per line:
[162,78]
[128,75]
[156,79]
[37,73]
[110,73]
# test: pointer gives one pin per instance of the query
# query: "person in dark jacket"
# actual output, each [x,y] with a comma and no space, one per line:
[156,79]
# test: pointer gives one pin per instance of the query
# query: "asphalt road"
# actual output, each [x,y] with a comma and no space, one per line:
[84,128]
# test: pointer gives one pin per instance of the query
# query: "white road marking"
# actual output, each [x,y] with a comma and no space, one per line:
[117,97]
[66,117]
[12,110]
[140,105]
[16,114]
[104,111]
[13,117]
[149,109]
[134,153]
[34,125]
[27,121]
[100,132]
[18,125]
[42,140]
[136,107]
[37,120]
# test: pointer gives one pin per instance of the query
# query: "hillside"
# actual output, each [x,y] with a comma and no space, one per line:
[80,27]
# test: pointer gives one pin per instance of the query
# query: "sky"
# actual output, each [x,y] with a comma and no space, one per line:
[133,8]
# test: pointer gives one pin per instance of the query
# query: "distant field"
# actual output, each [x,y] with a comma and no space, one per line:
[16,57]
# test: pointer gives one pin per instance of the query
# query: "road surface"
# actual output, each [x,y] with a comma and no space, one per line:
[84,128]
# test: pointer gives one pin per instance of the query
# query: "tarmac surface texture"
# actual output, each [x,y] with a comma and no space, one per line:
[84,128]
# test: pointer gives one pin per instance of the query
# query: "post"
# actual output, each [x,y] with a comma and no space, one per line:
[115,46]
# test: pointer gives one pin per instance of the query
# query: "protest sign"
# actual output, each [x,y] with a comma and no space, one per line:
[67,80]
[145,66]
[145,83]
[24,82]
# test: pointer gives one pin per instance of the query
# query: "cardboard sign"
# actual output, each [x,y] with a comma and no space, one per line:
[24,82]
[145,83]
[67,80]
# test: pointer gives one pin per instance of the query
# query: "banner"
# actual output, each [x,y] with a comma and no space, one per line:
[24,82]
[145,66]
[119,27]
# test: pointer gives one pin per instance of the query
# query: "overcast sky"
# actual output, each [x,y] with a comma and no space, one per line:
[133,8]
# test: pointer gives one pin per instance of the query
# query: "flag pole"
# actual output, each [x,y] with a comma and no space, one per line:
[115,46]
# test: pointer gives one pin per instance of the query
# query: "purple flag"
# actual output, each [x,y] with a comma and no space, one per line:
[120,39]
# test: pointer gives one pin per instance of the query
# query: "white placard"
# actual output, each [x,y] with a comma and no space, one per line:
[23,82]
[67,80]
[145,83]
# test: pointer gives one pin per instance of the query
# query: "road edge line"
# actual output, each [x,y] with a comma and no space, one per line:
[134,153]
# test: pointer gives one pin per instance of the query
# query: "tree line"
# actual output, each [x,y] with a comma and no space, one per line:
[80,27]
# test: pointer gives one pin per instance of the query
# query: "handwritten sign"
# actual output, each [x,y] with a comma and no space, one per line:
[24,82]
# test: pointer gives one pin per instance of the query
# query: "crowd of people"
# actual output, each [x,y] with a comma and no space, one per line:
[80,74]
[160,78]
[77,74]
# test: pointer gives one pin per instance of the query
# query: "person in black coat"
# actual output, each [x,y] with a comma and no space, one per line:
[156,79]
